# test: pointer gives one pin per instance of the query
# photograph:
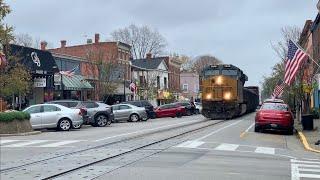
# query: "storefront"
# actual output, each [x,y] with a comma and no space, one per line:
[42,68]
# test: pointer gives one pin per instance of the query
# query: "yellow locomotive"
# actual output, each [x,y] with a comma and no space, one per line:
[224,94]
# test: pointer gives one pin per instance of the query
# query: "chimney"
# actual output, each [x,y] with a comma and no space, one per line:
[43,45]
[89,41]
[96,38]
[63,43]
[148,55]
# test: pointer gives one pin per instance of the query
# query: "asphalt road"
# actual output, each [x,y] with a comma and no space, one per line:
[225,150]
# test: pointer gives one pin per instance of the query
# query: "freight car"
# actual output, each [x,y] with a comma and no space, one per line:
[223,93]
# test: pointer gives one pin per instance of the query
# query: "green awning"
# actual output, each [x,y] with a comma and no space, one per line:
[75,83]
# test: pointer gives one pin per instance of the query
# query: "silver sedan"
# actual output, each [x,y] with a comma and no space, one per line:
[129,113]
[53,116]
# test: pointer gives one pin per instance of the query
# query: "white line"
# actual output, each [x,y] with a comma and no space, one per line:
[309,175]
[227,147]
[23,144]
[7,141]
[135,132]
[307,165]
[218,130]
[294,172]
[307,162]
[265,150]
[184,144]
[57,144]
[309,170]
[247,130]
[194,144]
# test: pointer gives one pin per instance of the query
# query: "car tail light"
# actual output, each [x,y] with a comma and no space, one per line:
[82,111]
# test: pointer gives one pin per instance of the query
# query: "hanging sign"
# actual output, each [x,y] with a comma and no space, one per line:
[40,82]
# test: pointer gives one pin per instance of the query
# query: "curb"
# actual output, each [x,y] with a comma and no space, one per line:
[21,134]
[305,143]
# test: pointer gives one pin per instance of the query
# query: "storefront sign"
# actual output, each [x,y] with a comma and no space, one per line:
[57,79]
[40,82]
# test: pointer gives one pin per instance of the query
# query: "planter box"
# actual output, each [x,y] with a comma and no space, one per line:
[15,126]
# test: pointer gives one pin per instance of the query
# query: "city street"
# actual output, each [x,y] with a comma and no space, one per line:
[217,150]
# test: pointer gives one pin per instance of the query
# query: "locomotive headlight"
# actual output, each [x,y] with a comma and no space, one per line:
[219,80]
[209,96]
[227,96]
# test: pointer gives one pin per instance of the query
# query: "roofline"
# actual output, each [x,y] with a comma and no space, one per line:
[90,44]
[149,69]
[76,58]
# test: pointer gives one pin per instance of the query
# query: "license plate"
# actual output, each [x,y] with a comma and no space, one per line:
[273,125]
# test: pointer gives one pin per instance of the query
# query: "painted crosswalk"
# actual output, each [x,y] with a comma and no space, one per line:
[37,143]
[305,169]
[227,147]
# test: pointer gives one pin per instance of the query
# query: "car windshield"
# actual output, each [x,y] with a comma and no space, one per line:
[273,106]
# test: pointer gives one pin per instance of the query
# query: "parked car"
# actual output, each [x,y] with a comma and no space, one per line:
[95,114]
[190,108]
[198,107]
[54,116]
[146,104]
[129,112]
[170,110]
[274,116]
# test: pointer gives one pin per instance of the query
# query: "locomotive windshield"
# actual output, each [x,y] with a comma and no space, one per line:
[229,72]
[212,72]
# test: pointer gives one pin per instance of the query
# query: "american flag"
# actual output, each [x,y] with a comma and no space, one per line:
[294,60]
[70,72]
[278,90]
[133,87]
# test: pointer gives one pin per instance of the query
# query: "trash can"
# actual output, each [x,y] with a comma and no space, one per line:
[307,122]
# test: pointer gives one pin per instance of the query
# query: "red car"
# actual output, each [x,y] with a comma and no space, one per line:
[275,116]
[170,110]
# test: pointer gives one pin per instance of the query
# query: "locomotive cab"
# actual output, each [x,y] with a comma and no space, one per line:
[222,88]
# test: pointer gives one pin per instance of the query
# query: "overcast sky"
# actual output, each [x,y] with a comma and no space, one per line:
[237,32]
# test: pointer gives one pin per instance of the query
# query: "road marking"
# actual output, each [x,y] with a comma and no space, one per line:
[227,147]
[23,144]
[191,144]
[7,141]
[57,144]
[136,132]
[265,150]
[218,130]
[246,131]
[304,169]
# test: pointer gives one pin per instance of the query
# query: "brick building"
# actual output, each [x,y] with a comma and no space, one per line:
[103,52]
[174,65]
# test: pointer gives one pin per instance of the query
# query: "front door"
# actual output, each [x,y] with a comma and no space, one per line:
[124,112]
[35,116]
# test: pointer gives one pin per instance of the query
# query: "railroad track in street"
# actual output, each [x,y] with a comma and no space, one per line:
[206,124]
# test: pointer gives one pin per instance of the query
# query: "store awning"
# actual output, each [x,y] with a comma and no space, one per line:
[75,83]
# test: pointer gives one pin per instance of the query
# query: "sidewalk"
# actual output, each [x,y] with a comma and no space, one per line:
[311,136]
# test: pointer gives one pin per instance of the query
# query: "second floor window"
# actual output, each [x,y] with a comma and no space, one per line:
[185,87]
[158,82]
[165,82]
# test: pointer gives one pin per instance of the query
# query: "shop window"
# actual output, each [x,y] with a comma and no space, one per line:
[185,87]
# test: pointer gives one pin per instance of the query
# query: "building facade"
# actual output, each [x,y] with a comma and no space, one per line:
[152,80]
[189,82]
[116,54]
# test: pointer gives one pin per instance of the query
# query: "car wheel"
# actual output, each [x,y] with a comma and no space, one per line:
[290,131]
[179,115]
[78,126]
[64,124]
[189,113]
[134,118]
[256,129]
[101,120]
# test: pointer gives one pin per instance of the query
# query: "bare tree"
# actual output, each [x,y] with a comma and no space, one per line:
[24,39]
[288,33]
[142,39]
[203,61]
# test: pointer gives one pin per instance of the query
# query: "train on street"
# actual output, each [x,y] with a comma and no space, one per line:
[223,93]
